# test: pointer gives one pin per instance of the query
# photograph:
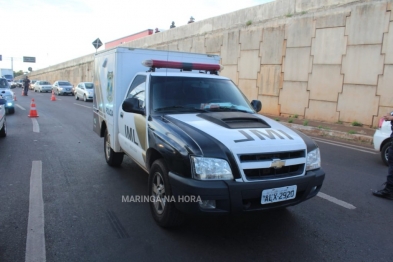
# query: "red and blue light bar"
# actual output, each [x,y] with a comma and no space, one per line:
[182,65]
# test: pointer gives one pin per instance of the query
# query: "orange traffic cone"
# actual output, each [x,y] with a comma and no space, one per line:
[53,98]
[33,111]
[15,97]
[23,92]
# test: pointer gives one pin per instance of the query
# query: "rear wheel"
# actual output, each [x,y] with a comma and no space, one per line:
[112,158]
[3,130]
[164,212]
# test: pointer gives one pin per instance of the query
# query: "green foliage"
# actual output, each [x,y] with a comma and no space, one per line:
[305,122]
[249,22]
[351,132]
[19,73]
[296,116]
[278,120]
[339,122]
[303,12]
[289,15]
[290,120]
[356,123]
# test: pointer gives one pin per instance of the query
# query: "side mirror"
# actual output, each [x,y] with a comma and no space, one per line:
[3,101]
[257,105]
[133,105]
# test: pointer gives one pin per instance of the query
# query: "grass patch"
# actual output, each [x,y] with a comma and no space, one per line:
[339,122]
[278,120]
[296,116]
[289,15]
[305,122]
[290,120]
[249,22]
[356,123]
[324,127]
[304,12]
[351,132]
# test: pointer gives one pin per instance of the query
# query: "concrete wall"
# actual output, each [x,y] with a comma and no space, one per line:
[329,60]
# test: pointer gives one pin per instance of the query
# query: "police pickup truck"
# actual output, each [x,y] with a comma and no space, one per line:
[203,144]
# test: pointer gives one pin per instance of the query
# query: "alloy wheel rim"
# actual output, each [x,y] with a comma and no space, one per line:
[158,191]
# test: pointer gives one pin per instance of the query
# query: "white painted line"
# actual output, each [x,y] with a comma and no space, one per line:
[35,241]
[20,107]
[342,143]
[58,99]
[90,107]
[36,126]
[350,147]
[335,201]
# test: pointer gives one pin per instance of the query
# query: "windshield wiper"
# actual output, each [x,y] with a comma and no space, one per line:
[182,108]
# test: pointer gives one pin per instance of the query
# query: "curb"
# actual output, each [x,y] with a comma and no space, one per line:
[315,131]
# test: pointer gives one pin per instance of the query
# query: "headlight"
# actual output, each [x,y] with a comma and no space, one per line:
[9,104]
[313,160]
[205,168]
[60,88]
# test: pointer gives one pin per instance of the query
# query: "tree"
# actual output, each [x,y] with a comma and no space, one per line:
[19,73]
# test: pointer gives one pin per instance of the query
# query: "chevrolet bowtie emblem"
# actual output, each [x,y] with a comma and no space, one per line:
[277,163]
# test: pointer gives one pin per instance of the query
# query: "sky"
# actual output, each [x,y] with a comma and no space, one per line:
[55,31]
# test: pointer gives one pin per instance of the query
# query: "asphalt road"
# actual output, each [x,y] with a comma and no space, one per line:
[84,218]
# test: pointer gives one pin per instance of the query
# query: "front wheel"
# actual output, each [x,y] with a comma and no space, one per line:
[384,153]
[76,97]
[112,158]
[162,207]
[84,98]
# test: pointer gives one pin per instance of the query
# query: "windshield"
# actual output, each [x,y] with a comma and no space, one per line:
[196,94]
[64,84]
[44,83]
[89,85]
[8,77]
[3,83]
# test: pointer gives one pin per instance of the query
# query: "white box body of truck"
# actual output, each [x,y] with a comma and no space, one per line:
[203,144]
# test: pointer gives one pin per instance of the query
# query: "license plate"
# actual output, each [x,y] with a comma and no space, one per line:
[278,194]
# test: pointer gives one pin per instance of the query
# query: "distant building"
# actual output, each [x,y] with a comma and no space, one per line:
[129,38]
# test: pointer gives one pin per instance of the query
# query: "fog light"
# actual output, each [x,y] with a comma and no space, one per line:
[9,104]
[207,204]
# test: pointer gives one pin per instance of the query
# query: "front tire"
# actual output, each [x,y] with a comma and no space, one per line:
[384,153]
[164,212]
[84,98]
[112,158]
[76,97]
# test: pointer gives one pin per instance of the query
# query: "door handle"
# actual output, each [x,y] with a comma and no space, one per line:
[121,114]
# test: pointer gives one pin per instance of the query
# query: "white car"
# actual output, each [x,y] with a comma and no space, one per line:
[85,91]
[3,123]
[42,86]
[381,139]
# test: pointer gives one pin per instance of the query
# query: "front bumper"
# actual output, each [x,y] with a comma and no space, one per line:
[378,138]
[241,197]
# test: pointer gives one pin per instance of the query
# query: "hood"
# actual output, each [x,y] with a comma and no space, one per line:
[243,133]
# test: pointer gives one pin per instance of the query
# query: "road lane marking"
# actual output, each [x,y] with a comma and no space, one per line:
[36,126]
[350,147]
[35,241]
[342,143]
[336,201]
[84,106]
[20,107]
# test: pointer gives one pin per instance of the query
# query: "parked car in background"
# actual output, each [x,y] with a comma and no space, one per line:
[8,95]
[3,122]
[42,86]
[32,82]
[381,139]
[19,83]
[85,91]
[62,87]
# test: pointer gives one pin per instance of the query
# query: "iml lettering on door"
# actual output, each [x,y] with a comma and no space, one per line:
[130,134]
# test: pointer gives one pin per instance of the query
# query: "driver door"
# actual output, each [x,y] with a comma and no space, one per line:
[132,126]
